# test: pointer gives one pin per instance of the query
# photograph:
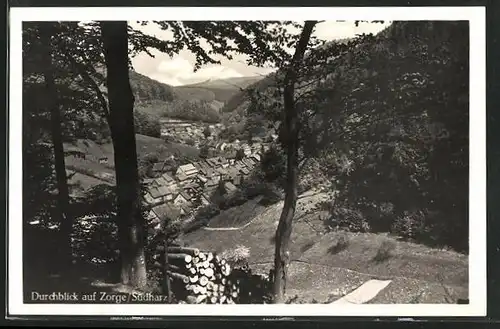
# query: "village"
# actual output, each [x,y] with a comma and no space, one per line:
[194,184]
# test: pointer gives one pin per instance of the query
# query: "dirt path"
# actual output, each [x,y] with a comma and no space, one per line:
[366,292]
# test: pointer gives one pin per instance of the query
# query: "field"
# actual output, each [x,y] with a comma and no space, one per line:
[89,169]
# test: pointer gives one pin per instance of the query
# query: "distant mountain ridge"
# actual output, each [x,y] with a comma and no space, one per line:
[220,90]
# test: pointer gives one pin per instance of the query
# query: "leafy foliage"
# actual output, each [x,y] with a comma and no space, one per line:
[420,119]
[146,124]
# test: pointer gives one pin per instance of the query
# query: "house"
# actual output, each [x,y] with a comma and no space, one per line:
[203,168]
[205,200]
[238,180]
[248,163]
[187,170]
[186,208]
[230,155]
[218,162]
[180,199]
[181,176]
[197,165]
[172,191]
[202,179]
[212,163]
[148,181]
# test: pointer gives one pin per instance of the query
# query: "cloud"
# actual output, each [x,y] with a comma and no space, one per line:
[179,70]
[217,72]
[338,30]
[176,66]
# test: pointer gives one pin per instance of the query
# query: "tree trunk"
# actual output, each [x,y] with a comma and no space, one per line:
[62,211]
[121,120]
[284,230]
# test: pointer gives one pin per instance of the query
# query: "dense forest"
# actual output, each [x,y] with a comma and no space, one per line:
[379,120]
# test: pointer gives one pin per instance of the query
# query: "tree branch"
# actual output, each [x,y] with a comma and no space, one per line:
[81,69]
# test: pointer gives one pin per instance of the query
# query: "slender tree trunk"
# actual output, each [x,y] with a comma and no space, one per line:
[284,230]
[121,120]
[63,211]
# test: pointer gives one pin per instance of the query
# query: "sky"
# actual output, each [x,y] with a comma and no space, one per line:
[179,70]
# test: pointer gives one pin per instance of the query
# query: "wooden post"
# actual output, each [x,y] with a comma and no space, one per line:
[166,277]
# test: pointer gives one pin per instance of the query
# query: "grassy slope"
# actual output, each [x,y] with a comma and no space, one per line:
[317,266]
[144,144]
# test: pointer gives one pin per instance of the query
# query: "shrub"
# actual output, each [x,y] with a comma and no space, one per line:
[207,132]
[350,219]
[385,251]
[410,225]
[237,198]
[146,124]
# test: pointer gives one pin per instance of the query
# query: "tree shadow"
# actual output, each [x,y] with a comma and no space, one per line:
[340,245]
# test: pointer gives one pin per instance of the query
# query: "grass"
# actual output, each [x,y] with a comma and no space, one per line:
[238,216]
[341,244]
[412,291]
[416,264]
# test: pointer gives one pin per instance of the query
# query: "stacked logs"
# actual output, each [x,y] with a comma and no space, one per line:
[203,276]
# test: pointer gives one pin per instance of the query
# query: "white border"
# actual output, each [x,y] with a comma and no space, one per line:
[477,193]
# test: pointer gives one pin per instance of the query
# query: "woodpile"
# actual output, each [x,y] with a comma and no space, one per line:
[203,276]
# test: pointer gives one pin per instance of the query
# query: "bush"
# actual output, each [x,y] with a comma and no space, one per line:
[206,152]
[385,251]
[196,110]
[237,198]
[341,244]
[273,166]
[253,288]
[146,124]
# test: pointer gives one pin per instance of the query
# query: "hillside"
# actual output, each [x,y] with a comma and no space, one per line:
[322,260]
[199,102]
[97,166]
[146,89]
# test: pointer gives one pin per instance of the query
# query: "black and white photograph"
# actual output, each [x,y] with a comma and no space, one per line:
[306,161]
